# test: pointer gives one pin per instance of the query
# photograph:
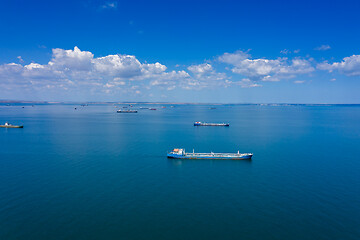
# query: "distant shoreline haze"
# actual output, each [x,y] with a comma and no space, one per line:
[166,103]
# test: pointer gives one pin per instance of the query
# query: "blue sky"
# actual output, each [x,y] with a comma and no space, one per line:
[180,51]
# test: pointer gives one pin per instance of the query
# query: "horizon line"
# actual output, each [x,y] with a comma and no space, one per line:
[175,103]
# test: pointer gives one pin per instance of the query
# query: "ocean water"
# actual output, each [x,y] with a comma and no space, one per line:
[92,173]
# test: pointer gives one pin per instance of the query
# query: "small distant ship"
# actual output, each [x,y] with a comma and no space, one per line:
[212,124]
[152,109]
[8,125]
[144,108]
[181,154]
[127,111]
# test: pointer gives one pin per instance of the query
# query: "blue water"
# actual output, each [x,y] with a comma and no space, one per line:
[91,173]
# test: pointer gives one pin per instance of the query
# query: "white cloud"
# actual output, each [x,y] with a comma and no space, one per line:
[266,69]
[121,66]
[233,58]
[80,68]
[117,81]
[81,71]
[10,71]
[109,5]
[203,76]
[299,81]
[20,59]
[201,69]
[349,66]
[243,83]
[322,48]
[108,85]
[285,51]
[247,83]
[32,66]
[206,73]
[71,59]
[169,80]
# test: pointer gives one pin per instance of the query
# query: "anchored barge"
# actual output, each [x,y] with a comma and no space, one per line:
[127,111]
[180,153]
[8,125]
[212,124]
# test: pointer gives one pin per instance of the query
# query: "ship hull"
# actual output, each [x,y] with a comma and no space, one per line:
[133,111]
[212,125]
[4,126]
[191,156]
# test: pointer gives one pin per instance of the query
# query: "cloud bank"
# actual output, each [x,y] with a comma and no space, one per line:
[80,71]
[349,66]
[322,48]
[68,68]
[262,69]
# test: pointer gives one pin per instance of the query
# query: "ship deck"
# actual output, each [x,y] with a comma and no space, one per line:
[211,156]
[216,154]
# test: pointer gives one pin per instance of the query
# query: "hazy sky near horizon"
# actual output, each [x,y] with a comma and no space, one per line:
[181,51]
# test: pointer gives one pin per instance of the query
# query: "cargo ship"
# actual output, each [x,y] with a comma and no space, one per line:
[127,111]
[212,124]
[8,125]
[181,154]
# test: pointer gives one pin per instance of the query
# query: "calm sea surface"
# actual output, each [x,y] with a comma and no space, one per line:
[92,173]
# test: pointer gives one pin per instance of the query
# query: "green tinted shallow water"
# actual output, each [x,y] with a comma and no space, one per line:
[91,173]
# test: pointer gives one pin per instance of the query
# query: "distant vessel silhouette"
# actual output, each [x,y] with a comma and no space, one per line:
[127,111]
[181,154]
[8,125]
[211,124]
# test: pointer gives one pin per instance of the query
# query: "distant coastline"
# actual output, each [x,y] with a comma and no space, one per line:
[171,103]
